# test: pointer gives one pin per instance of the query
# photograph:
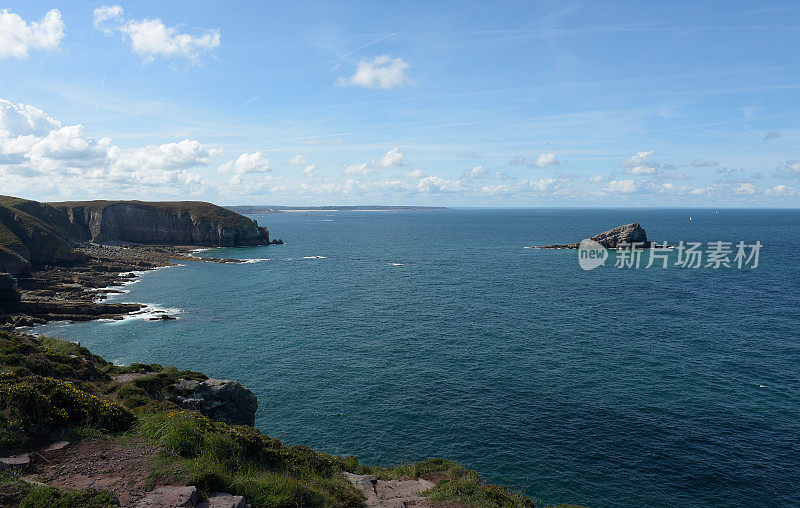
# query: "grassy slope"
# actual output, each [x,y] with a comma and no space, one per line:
[50,389]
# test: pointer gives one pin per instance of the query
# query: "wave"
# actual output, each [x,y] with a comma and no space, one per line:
[256,260]
[315,257]
[150,311]
[397,264]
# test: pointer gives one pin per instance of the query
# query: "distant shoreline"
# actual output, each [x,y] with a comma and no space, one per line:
[246,209]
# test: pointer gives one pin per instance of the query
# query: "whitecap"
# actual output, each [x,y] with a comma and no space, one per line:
[315,257]
[150,310]
[257,260]
[397,264]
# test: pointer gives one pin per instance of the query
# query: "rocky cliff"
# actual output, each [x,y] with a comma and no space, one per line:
[34,234]
[170,223]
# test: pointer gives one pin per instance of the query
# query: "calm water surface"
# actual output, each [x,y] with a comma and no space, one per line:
[420,334]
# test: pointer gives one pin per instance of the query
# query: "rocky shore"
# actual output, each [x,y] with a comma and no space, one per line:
[63,259]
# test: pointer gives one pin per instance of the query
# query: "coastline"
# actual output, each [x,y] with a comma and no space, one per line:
[77,292]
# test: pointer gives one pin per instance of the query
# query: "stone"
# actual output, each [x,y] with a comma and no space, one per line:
[390,493]
[619,237]
[169,497]
[58,445]
[221,500]
[17,462]
[219,399]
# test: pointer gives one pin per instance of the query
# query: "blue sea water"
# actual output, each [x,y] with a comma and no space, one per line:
[420,334]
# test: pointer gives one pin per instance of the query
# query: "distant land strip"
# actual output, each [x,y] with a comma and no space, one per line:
[258,209]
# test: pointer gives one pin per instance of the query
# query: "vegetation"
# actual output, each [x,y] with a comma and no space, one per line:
[49,388]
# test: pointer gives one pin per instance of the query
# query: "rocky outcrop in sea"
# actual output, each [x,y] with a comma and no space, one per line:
[624,236]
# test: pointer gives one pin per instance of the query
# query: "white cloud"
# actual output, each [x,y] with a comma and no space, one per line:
[637,160]
[597,178]
[381,72]
[621,186]
[415,173]
[17,37]
[438,185]
[359,168]
[310,169]
[780,191]
[151,38]
[245,164]
[394,157]
[744,188]
[641,170]
[298,160]
[541,161]
[104,14]
[45,151]
[476,172]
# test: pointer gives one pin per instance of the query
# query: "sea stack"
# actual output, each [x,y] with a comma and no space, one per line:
[620,237]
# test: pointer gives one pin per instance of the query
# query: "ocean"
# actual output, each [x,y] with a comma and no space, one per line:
[398,336]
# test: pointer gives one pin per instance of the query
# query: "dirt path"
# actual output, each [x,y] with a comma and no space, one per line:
[117,466]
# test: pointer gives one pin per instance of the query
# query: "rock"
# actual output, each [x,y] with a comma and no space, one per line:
[163,317]
[52,447]
[220,500]
[619,237]
[17,462]
[390,493]
[220,399]
[169,497]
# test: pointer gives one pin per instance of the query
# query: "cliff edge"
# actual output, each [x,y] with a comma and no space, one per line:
[34,234]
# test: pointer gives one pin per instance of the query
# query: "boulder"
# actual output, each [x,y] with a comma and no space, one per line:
[169,497]
[390,493]
[220,500]
[219,399]
[17,462]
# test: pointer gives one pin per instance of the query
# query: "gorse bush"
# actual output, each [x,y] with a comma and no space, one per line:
[31,407]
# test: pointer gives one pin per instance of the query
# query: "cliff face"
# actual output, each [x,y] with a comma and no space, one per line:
[186,223]
[36,234]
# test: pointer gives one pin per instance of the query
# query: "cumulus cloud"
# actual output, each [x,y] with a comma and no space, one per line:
[34,145]
[541,161]
[597,178]
[382,72]
[298,160]
[394,157]
[17,37]
[151,38]
[310,170]
[245,164]
[744,188]
[475,172]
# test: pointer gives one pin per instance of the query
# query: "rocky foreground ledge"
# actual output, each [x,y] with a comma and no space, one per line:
[621,237]
[77,431]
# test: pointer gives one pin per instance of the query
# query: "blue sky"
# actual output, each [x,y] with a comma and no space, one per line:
[429,103]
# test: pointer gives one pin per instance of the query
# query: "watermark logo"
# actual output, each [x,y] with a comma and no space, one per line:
[591,254]
[716,255]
